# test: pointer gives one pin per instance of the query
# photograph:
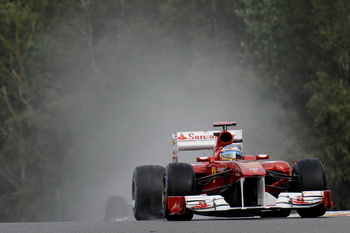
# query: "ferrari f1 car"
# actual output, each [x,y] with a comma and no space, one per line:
[228,183]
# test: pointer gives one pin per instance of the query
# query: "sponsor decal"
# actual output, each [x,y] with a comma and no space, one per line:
[254,167]
[193,136]
[213,172]
[182,137]
[201,205]
[309,193]
[247,165]
[205,135]
[300,200]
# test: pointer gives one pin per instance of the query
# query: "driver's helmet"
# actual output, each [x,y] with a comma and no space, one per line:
[231,152]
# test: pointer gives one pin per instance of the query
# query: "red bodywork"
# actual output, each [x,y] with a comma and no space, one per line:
[217,176]
[240,168]
[248,166]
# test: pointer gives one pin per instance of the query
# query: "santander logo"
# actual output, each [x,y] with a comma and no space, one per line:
[195,136]
[182,137]
[203,135]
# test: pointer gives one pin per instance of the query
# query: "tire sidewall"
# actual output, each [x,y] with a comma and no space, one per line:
[311,174]
[147,185]
[311,178]
[179,180]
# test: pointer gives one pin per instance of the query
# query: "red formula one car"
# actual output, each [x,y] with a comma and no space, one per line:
[228,183]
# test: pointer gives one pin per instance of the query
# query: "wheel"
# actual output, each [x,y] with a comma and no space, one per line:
[178,181]
[312,177]
[116,208]
[147,188]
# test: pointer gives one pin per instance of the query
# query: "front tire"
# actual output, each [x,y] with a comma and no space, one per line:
[178,181]
[311,178]
[147,186]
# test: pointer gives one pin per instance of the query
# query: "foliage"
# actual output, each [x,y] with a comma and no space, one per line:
[301,49]
[30,146]
[30,168]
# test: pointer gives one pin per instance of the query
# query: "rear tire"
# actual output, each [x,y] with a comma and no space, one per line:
[147,187]
[312,178]
[178,181]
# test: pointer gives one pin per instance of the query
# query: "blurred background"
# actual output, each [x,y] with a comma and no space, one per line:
[91,89]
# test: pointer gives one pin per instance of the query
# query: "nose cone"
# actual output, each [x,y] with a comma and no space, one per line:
[252,168]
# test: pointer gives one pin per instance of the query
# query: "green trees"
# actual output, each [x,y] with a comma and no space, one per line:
[307,45]
[29,153]
[330,100]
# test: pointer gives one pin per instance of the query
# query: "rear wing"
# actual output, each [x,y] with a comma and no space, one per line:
[199,140]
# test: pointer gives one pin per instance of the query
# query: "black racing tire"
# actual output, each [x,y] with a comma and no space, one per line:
[311,178]
[179,180]
[147,188]
[116,208]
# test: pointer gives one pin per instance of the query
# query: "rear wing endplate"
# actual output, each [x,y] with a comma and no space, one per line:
[198,140]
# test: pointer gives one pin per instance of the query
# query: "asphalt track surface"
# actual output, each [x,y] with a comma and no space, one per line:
[334,222]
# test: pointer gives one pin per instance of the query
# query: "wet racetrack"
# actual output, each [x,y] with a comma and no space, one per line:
[333,222]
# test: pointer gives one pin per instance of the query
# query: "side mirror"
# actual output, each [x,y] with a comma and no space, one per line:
[262,156]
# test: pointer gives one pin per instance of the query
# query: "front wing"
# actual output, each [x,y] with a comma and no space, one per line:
[204,204]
